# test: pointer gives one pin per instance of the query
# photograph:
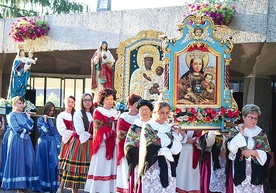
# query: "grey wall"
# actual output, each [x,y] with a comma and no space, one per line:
[255,21]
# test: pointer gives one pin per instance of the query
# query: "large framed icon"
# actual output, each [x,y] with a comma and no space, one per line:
[139,68]
[198,76]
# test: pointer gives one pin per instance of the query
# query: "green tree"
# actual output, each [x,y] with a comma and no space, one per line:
[53,98]
[21,8]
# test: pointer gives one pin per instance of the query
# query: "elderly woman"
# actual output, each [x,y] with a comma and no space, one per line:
[249,149]
[132,144]
[159,142]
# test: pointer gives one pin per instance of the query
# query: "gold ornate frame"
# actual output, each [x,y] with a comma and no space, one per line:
[197,32]
[145,39]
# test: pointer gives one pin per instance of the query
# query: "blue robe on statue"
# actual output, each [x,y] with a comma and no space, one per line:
[47,150]
[18,83]
[19,167]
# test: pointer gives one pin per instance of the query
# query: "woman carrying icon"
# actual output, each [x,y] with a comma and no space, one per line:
[102,170]
[158,144]
[249,149]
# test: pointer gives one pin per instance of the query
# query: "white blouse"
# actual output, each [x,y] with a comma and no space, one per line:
[165,140]
[239,141]
[79,126]
[61,127]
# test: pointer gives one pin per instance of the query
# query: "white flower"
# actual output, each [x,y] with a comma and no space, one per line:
[180,119]
[186,117]
[184,110]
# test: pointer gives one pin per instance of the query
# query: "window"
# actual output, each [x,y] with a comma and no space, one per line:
[54,89]
[273,86]
[53,86]
[87,88]
[69,88]
[79,91]
[236,86]
[39,86]
[103,5]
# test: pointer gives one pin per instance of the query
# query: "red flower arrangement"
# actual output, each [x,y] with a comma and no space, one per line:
[29,29]
[221,14]
[203,115]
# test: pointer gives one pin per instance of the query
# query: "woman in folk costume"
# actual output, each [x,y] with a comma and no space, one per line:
[215,174]
[101,69]
[132,144]
[125,121]
[20,170]
[102,170]
[65,128]
[187,170]
[249,149]
[205,162]
[159,142]
[47,150]
[77,160]
[2,132]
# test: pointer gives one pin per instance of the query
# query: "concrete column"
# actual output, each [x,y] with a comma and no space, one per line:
[257,90]
[1,72]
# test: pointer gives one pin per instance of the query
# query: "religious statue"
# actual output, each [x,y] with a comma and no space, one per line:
[20,73]
[101,69]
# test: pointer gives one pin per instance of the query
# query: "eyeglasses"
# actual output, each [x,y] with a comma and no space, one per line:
[252,118]
[87,100]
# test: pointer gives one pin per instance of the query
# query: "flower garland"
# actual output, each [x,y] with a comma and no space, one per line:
[29,29]
[203,115]
[221,14]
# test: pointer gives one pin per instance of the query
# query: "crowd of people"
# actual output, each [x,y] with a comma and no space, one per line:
[100,150]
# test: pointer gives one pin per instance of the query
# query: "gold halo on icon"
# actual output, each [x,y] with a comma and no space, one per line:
[210,70]
[197,54]
[148,51]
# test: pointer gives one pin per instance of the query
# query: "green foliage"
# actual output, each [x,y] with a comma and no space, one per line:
[5,102]
[40,100]
[21,8]
[53,98]
[49,97]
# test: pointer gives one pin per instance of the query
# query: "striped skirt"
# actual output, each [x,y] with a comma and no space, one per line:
[76,163]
